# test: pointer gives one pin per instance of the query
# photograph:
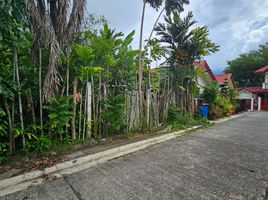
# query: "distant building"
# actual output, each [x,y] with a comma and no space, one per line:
[229,77]
[207,77]
[255,98]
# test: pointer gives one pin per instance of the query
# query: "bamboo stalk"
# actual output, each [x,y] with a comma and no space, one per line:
[89,109]
[75,82]
[13,100]
[85,111]
[93,99]
[32,105]
[148,96]
[10,128]
[80,115]
[20,100]
[68,72]
[140,69]
[99,104]
[40,90]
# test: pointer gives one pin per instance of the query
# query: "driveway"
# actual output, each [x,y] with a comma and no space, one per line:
[226,161]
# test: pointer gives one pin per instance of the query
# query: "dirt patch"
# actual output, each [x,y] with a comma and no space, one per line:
[20,166]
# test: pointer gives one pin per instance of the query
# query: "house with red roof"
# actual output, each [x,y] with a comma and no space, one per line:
[263,71]
[206,76]
[204,80]
[226,77]
[255,98]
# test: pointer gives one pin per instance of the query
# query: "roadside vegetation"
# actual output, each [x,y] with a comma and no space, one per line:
[179,121]
[67,77]
[222,101]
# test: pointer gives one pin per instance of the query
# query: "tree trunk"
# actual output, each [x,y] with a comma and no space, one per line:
[104,125]
[75,82]
[31,105]
[10,129]
[40,90]
[85,118]
[140,69]
[93,100]
[151,34]
[20,101]
[13,100]
[99,106]
[68,72]
[80,114]
[53,14]
[89,110]
[148,98]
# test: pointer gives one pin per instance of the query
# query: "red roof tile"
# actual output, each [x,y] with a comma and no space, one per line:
[203,64]
[262,70]
[220,78]
[255,90]
[251,89]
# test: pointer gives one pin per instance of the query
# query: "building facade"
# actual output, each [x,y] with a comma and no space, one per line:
[255,98]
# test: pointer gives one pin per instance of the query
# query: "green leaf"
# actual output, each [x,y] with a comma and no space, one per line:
[53,116]
[128,40]
[176,18]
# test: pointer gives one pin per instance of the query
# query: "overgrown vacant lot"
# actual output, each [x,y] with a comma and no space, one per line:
[72,84]
[69,78]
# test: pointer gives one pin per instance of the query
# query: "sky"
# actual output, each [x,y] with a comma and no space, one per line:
[237,26]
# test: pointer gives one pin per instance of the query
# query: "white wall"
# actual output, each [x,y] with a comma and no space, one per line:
[243,94]
[202,82]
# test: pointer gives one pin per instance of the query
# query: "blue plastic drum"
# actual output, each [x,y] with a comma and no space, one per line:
[204,110]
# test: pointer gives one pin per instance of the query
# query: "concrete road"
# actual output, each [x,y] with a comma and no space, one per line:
[226,161]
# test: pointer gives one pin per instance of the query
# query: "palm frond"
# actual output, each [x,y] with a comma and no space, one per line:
[156,4]
[53,77]
[175,5]
[63,7]
[76,18]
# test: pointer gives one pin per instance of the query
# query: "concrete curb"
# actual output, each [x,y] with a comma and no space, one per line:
[68,167]
[228,118]
[85,162]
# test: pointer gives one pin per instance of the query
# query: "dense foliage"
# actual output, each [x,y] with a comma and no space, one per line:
[180,121]
[65,81]
[244,66]
[222,101]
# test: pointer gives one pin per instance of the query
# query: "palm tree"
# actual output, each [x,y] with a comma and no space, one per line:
[58,29]
[184,45]
[170,5]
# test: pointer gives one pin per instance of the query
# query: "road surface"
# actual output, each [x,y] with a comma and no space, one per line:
[226,161]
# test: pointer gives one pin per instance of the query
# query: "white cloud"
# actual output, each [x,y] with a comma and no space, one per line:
[236,25]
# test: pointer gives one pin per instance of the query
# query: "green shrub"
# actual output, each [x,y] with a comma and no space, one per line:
[225,104]
[215,112]
[59,114]
[70,141]
[42,144]
[115,114]
[34,143]
[3,151]
[210,93]
[174,113]
[197,114]
[3,136]
[180,121]
[38,145]
[221,103]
